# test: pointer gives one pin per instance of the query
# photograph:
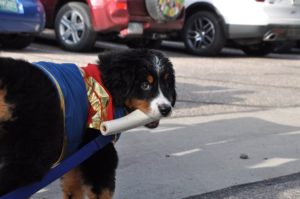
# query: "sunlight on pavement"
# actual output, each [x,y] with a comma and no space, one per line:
[287,193]
[217,91]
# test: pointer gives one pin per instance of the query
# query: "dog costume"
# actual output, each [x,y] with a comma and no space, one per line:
[84,100]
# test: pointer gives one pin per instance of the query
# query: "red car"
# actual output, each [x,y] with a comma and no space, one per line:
[141,23]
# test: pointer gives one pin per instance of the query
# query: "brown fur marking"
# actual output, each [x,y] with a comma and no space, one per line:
[105,194]
[5,108]
[71,185]
[150,79]
[138,104]
[166,76]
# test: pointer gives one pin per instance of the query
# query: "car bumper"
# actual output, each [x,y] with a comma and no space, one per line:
[109,17]
[31,20]
[265,33]
[118,19]
[152,26]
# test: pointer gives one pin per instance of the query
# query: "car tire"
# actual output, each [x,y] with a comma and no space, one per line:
[284,47]
[260,49]
[16,41]
[297,44]
[203,34]
[144,43]
[166,10]
[73,27]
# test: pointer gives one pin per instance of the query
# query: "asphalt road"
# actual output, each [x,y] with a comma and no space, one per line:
[227,106]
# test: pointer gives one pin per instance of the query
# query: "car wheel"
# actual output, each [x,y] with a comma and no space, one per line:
[203,34]
[164,10]
[73,27]
[15,41]
[144,43]
[261,49]
[284,47]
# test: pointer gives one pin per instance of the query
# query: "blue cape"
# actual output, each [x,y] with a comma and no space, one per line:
[72,85]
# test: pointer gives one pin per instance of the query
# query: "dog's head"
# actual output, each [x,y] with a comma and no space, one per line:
[140,79]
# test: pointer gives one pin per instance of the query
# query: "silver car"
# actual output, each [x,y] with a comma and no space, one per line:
[255,26]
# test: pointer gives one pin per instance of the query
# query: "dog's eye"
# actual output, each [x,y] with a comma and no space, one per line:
[146,86]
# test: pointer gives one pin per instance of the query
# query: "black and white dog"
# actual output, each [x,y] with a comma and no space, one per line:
[33,118]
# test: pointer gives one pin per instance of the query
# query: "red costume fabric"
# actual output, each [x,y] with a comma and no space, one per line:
[100,101]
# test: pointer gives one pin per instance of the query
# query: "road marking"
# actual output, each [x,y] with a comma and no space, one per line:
[219,142]
[273,162]
[158,130]
[186,152]
[164,129]
[290,133]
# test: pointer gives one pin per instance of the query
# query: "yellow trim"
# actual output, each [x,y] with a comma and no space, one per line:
[62,105]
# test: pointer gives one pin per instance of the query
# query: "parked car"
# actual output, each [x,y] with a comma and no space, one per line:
[20,20]
[141,23]
[255,26]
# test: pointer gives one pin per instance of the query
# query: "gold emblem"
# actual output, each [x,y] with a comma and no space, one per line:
[98,99]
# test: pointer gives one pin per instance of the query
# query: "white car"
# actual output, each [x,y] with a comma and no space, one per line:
[255,26]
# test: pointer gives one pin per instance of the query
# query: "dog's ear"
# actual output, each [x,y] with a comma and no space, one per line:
[118,76]
[168,66]
[174,97]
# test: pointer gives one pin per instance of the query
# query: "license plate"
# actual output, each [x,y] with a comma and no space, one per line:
[135,28]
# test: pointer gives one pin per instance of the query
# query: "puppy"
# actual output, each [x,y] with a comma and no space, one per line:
[48,111]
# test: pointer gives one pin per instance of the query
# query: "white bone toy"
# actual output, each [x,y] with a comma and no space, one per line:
[132,120]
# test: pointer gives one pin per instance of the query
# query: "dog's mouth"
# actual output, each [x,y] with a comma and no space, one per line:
[152,125]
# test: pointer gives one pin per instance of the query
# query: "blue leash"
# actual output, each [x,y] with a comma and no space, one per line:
[66,165]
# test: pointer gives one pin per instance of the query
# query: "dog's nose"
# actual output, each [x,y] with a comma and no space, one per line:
[164,109]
